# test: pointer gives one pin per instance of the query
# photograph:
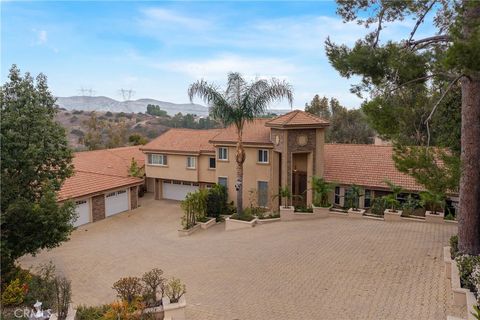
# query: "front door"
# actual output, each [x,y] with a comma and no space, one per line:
[299,188]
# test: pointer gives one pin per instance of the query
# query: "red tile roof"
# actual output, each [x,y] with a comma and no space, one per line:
[100,170]
[297,118]
[183,140]
[254,132]
[86,183]
[366,165]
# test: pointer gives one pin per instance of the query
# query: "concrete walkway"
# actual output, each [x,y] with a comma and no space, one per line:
[336,268]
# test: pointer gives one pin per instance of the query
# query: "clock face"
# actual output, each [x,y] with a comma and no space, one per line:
[277,140]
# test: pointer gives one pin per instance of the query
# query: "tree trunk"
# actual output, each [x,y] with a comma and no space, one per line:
[469,207]
[240,158]
[469,220]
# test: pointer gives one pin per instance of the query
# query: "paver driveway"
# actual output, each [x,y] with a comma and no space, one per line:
[336,268]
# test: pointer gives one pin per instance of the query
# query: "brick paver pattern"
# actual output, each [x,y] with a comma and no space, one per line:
[335,268]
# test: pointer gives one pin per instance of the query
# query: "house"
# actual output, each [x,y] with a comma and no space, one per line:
[284,151]
[101,185]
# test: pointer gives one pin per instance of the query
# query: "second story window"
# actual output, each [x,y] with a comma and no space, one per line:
[223,154]
[191,162]
[157,159]
[263,156]
[212,163]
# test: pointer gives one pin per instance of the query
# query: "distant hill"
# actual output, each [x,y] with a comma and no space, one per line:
[101,103]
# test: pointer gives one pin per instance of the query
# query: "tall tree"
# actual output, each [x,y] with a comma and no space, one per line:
[346,125]
[35,161]
[396,71]
[319,107]
[239,103]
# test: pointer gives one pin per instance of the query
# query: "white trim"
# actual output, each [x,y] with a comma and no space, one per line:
[192,160]
[219,153]
[264,151]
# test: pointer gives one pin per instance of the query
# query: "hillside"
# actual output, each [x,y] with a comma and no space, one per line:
[75,124]
[100,103]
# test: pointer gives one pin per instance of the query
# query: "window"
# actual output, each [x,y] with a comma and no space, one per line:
[337,195]
[191,162]
[263,156]
[157,159]
[262,193]
[121,191]
[80,202]
[222,153]
[223,181]
[212,163]
[368,198]
[111,194]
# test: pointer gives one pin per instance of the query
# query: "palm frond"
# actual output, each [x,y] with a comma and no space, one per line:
[275,90]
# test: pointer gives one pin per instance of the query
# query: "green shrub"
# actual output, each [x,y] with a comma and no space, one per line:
[91,313]
[466,264]
[217,201]
[409,205]
[453,246]
[379,206]
[450,217]
[432,201]
[245,216]
[108,114]
[304,209]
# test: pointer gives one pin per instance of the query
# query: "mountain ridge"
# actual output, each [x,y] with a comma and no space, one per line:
[103,103]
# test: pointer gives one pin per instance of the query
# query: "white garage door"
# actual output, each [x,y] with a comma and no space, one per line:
[82,209]
[176,190]
[116,202]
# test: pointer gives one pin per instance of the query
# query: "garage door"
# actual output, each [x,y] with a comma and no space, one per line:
[176,190]
[116,202]
[82,209]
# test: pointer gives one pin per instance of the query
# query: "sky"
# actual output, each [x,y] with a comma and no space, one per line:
[157,49]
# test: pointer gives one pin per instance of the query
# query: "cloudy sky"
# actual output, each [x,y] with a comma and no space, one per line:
[158,48]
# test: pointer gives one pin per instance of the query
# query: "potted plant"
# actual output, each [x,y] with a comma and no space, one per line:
[286,209]
[392,214]
[434,204]
[353,198]
[321,189]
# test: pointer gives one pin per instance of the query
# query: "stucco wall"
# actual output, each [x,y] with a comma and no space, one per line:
[252,173]
[205,174]
[176,169]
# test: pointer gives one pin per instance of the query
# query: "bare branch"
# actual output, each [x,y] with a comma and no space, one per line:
[443,74]
[420,20]
[429,40]
[379,28]
[449,87]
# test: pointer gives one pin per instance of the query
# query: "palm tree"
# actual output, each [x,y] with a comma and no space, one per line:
[321,189]
[241,102]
